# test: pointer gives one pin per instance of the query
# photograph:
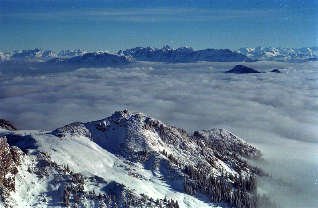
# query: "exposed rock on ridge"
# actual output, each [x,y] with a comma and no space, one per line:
[4,124]
[211,153]
[10,159]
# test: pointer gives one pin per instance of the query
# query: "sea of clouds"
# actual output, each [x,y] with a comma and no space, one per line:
[276,112]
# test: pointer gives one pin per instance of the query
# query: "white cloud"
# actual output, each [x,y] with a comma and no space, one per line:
[150,14]
[277,112]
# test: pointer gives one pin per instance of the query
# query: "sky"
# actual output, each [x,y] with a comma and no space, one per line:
[120,24]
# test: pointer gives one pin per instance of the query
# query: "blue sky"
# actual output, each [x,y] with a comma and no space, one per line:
[120,24]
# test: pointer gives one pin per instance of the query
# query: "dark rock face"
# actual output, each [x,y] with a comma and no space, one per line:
[9,160]
[276,71]
[4,124]
[241,69]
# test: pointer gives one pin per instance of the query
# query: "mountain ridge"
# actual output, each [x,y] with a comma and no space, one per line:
[171,55]
[280,54]
[94,59]
[141,156]
[183,54]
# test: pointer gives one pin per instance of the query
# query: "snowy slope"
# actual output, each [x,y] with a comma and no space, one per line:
[139,160]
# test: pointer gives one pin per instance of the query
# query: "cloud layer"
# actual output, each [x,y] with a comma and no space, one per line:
[276,112]
[151,14]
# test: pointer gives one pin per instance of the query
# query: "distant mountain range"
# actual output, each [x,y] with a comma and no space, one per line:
[280,54]
[39,54]
[96,58]
[164,54]
[183,54]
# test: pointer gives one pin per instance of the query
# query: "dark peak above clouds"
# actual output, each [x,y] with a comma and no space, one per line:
[276,71]
[241,69]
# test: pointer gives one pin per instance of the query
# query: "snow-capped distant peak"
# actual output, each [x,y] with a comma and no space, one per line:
[34,53]
[71,53]
[183,54]
[280,54]
[169,54]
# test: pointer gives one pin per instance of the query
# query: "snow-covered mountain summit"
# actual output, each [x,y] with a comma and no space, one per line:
[125,133]
[71,53]
[183,54]
[280,54]
[129,160]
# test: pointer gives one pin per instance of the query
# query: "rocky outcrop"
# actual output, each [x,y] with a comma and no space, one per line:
[10,159]
[4,124]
